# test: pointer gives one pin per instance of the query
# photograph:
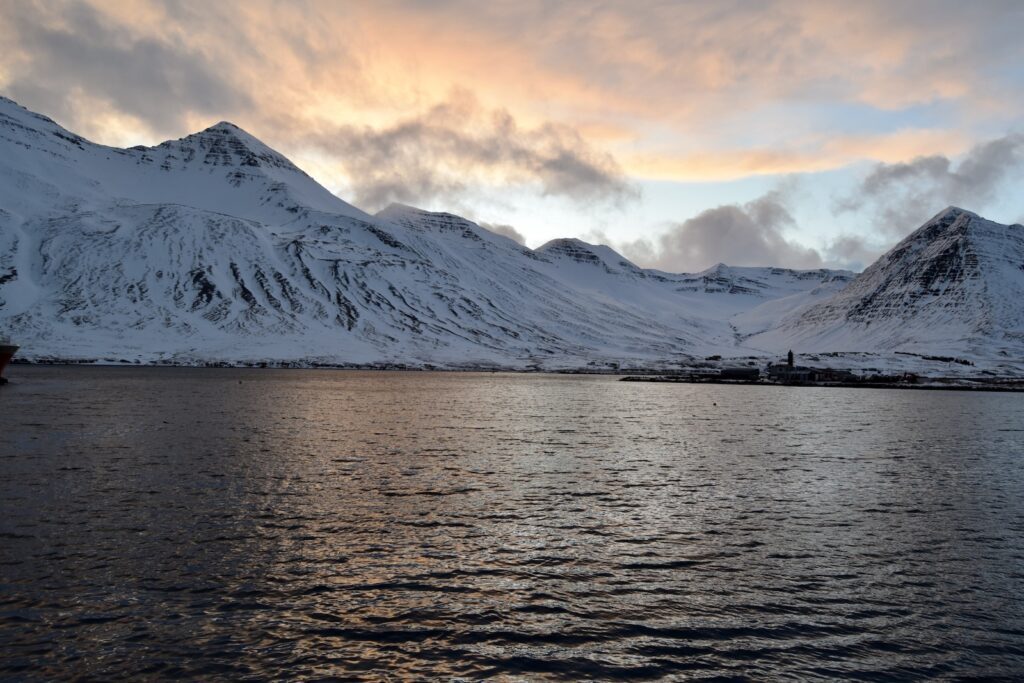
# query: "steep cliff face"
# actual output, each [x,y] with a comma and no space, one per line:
[954,285]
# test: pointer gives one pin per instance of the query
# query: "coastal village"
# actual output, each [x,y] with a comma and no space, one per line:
[786,371]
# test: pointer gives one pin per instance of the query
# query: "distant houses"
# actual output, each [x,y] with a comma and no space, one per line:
[781,373]
[785,373]
[741,374]
[790,373]
[798,374]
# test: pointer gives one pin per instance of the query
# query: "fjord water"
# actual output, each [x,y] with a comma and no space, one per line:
[209,523]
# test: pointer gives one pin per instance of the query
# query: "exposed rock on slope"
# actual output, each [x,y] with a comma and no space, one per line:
[955,285]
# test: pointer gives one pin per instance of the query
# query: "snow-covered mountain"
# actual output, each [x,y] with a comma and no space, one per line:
[215,247]
[954,286]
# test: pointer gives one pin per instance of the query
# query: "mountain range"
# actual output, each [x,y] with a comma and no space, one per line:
[216,248]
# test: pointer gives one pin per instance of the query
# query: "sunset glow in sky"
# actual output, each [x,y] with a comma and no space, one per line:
[681,133]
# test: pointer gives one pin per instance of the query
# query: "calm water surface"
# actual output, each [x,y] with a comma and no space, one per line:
[285,524]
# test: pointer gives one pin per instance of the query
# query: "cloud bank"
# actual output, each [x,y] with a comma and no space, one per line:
[780,86]
[750,234]
[902,196]
[575,100]
[457,145]
[505,231]
[69,56]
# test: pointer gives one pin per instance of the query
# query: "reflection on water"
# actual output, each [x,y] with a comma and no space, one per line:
[203,523]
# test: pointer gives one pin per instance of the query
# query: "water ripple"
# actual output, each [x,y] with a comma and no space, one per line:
[184,524]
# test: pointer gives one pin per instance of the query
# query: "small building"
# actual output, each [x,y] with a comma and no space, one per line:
[833,375]
[799,374]
[740,373]
[790,374]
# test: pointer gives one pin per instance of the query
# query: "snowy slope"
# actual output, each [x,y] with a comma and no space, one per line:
[215,247]
[954,286]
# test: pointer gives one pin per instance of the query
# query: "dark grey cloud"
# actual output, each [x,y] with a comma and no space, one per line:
[902,196]
[69,49]
[738,235]
[459,146]
[506,231]
[851,252]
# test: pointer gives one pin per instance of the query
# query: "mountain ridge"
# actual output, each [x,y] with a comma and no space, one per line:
[216,248]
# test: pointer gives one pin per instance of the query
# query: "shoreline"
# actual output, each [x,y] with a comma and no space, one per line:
[988,384]
[937,384]
[361,367]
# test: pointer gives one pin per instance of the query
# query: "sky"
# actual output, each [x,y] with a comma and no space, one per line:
[683,134]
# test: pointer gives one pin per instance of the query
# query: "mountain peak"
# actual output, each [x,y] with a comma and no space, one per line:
[716,269]
[225,144]
[397,210]
[435,222]
[228,130]
[952,224]
[399,207]
[947,235]
[566,245]
[954,283]
[951,213]
[224,126]
[14,115]
[584,252]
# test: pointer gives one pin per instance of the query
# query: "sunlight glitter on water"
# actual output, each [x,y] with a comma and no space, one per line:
[199,523]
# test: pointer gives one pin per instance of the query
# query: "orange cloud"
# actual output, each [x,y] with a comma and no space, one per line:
[718,90]
[819,155]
